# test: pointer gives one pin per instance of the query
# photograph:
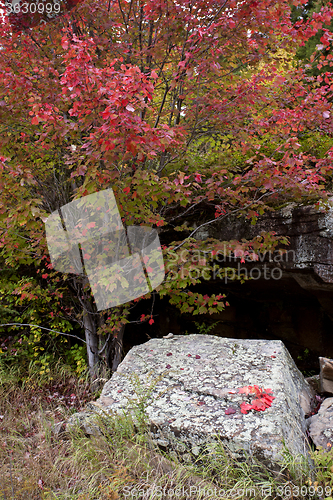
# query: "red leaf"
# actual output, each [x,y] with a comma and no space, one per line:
[279,80]
[230,411]
[257,391]
[245,407]
[64,43]
[262,402]
[268,399]
[151,321]
[258,404]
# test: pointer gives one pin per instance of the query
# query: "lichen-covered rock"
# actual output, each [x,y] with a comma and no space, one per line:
[189,385]
[86,421]
[310,233]
[321,425]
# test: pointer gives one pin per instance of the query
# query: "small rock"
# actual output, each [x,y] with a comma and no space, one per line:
[321,425]
[326,375]
[86,421]
[59,428]
[169,336]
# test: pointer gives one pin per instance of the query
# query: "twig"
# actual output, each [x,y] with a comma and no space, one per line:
[104,346]
[223,217]
[43,328]
[187,210]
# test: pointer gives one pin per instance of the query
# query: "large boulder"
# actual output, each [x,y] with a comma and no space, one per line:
[190,387]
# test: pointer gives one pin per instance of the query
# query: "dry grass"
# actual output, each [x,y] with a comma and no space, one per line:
[29,448]
[38,464]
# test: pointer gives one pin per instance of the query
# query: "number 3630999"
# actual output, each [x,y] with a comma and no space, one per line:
[32,7]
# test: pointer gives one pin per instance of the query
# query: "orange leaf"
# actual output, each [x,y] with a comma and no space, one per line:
[247,389]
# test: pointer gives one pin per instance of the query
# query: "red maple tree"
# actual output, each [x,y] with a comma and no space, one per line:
[182,107]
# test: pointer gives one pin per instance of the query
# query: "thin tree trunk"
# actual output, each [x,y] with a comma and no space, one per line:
[92,344]
[115,349]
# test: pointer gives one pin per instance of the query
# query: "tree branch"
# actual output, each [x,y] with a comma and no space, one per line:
[43,328]
[223,217]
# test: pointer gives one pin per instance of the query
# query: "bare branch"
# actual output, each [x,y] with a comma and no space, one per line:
[223,217]
[43,328]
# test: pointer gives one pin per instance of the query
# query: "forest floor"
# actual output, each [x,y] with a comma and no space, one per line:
[37,463]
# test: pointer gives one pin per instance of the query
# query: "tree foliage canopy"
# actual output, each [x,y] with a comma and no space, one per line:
[182,107]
